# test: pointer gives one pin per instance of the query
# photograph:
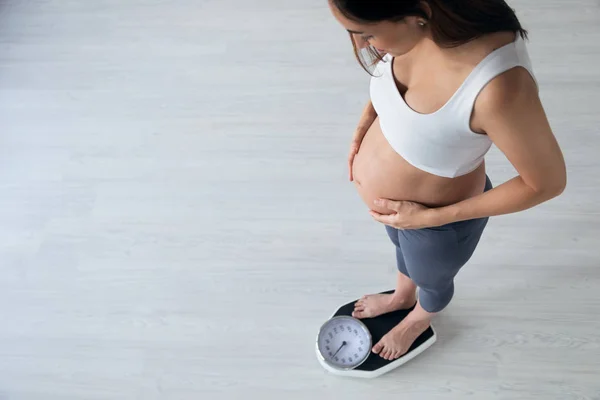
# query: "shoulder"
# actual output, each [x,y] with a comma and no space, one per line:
[510,95]
[514,90]
[509,106]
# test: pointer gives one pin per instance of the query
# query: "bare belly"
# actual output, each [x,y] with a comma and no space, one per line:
[380,172]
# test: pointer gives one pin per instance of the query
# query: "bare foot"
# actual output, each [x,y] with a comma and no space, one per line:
[397,341]
[376,304]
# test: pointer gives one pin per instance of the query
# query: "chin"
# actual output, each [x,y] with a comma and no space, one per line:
[397,53]
[394,53]
[401,52]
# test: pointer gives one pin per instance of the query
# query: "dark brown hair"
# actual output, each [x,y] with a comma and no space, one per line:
[452,22]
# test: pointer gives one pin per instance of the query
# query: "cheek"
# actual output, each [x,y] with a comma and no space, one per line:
[401,36]
[385,42]
[400,44]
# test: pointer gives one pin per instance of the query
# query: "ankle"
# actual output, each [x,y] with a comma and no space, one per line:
[419,315]
[398,297]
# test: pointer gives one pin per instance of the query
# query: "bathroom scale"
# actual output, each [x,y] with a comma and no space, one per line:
[344,343]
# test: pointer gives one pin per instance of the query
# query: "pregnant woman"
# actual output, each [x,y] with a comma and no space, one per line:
[450,79]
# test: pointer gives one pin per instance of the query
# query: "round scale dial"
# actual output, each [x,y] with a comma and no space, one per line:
[344,342]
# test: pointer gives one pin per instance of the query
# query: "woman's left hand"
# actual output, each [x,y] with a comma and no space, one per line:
[407,214]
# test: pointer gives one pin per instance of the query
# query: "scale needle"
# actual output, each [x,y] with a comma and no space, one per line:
[338,350]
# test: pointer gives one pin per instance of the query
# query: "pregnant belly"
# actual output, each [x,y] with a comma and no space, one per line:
[380,172]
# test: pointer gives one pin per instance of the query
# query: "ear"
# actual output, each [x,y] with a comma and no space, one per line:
[426,8]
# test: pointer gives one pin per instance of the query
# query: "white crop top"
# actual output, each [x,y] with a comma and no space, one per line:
[442,143]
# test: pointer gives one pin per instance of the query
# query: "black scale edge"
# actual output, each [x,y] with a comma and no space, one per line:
[378,327]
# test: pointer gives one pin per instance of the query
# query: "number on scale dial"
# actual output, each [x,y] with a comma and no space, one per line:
[344,342]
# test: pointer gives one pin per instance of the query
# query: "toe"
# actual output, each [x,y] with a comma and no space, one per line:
[389,355]
[377,348]
[358,314]
[385,353]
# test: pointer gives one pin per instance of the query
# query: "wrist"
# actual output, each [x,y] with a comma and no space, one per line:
[365,124]
[360,133]
[440,216]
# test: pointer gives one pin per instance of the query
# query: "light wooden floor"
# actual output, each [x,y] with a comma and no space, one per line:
[176,223]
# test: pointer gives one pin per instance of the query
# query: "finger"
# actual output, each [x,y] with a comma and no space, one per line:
[353,151]
[389,204]
[351,156]
[350,161]
[384,219]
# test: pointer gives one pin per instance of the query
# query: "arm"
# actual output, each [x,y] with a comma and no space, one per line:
[513,117]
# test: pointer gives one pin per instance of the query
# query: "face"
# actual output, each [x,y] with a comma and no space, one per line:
[394,38]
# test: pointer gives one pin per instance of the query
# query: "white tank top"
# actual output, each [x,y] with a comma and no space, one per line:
[442,143]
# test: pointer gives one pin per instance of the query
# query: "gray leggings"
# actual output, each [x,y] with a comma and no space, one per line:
[432,257]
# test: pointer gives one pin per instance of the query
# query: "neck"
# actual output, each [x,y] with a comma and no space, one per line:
[428,52]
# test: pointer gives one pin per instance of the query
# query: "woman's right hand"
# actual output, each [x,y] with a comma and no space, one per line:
[366,119]
[354,146]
